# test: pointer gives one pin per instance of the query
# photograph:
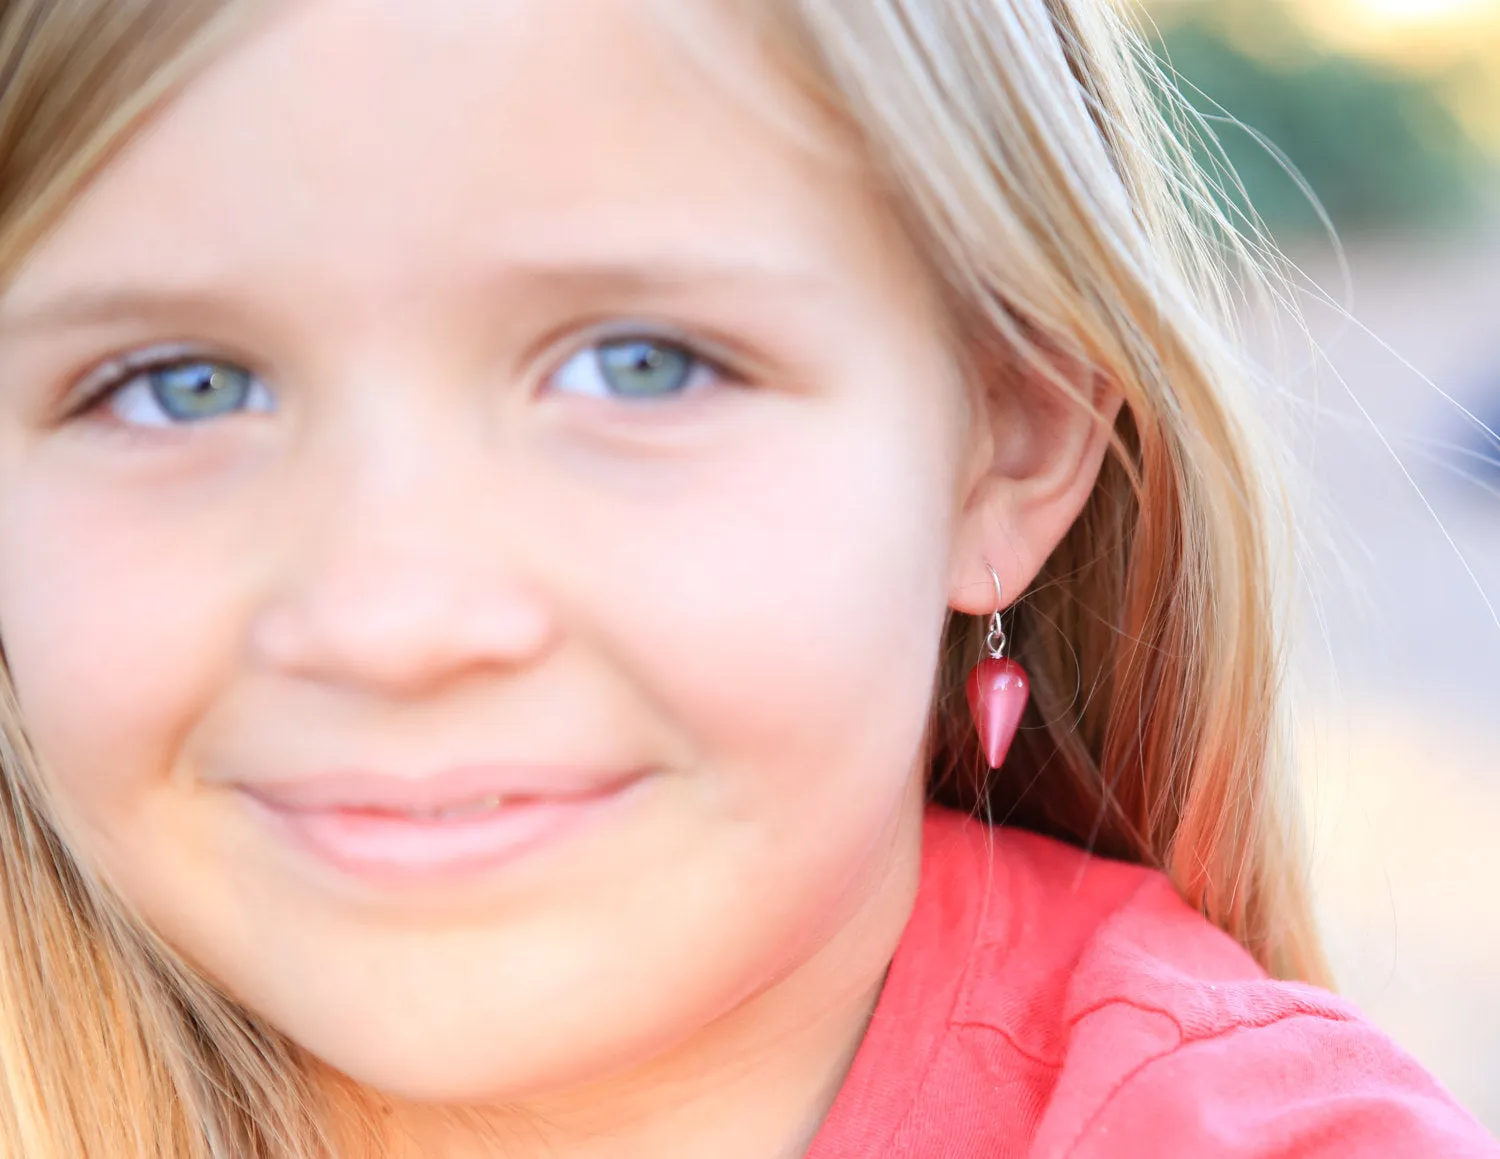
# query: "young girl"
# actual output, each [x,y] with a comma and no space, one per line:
[505,510]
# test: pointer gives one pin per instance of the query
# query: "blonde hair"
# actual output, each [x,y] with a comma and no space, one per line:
[1023,145]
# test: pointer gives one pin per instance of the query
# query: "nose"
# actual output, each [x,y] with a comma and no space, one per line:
[398,581]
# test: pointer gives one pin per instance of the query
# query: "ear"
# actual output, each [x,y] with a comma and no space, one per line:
[1038,441]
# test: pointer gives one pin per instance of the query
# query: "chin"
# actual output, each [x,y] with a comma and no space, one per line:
[465,1054]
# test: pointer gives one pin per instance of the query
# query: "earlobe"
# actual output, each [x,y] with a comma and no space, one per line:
[1045,449]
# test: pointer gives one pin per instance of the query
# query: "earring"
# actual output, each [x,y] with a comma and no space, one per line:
[997,689]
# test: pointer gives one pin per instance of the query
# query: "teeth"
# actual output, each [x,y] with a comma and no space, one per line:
[469,809]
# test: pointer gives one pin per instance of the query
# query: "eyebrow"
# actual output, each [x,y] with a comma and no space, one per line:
[99,307]
[662,274]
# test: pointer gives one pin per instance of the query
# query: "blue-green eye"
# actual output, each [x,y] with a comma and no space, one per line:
[631,368]
[188,391]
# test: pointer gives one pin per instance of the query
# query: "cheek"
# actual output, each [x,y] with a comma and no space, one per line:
[118,621]
[785,608]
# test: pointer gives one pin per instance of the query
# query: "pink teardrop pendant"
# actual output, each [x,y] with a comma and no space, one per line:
[998,690]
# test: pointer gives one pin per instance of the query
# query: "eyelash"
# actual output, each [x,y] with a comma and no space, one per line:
[110,377]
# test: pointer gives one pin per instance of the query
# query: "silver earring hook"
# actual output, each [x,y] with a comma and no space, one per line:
[995,641]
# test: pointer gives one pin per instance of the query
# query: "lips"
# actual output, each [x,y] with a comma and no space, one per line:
[450,789]
[460,822]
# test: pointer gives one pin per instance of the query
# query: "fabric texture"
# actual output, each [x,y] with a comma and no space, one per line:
[1045,1004]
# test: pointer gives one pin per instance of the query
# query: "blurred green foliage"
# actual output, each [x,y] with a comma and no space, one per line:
[1379,147]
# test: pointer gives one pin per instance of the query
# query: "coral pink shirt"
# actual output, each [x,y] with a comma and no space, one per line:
[1049,1005]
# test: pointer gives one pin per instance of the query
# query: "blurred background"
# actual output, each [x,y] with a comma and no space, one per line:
[1389,112]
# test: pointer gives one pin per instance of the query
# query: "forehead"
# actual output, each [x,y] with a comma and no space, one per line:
[387,140]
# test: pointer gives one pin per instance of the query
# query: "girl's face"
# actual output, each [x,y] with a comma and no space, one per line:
[446,404]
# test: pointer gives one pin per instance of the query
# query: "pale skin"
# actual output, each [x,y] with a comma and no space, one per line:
[431,535]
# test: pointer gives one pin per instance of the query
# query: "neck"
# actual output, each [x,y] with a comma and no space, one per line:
[756,1084]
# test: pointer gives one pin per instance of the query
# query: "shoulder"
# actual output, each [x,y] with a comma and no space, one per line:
[1092,941]
[1139,1020]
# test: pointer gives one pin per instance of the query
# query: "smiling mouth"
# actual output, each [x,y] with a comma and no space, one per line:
[390,832]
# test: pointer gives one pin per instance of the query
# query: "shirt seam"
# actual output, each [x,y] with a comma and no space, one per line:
[1136,1071]
[1029,1056]
[1123,905]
